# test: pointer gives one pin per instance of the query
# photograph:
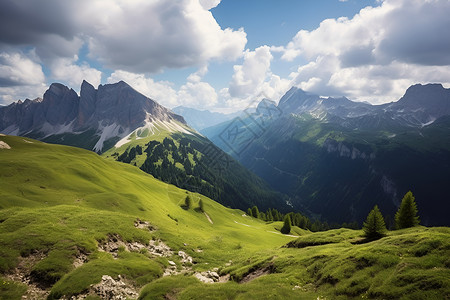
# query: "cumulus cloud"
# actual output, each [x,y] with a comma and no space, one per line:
[251,74]
[194,93]
[67,71]
[160,91]
[20,77]
[254,80]
[376,54]
[17,69]
[137,36]
[208,4]
[147,36]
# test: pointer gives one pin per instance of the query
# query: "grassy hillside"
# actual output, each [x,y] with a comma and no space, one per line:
[192,162]
[60,201]
[68,217]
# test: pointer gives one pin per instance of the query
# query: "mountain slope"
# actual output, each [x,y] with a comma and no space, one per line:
[337,158]
[192,162]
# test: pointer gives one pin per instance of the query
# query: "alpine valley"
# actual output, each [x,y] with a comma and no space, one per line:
[337,158]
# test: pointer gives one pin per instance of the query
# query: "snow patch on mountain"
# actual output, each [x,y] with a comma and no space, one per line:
[152,128]
[107,133]
[49,129]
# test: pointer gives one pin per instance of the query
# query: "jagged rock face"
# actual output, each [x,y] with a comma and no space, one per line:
[60,105]
[88,96]
[117,107]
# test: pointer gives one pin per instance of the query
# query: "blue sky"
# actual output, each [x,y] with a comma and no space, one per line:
[225,55]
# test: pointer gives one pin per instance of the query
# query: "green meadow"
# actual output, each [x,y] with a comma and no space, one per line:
[59,203]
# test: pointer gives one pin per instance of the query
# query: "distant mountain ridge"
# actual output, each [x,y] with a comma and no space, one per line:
[420,105]
[110,112]
[200,119]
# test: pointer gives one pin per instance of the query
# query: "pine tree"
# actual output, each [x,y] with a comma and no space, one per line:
[374,226]
[249,212]
[188,202]
[200,205]
[406,215]
[287,225]
[255,211]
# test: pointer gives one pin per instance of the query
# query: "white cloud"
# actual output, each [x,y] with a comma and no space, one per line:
[17,69]
[147,36]
[138,36]
[160,91]
[254,80]
[20,77]
[376,54]
[249,76]
[208,4]
[197,94]
[67,71]
[194,93]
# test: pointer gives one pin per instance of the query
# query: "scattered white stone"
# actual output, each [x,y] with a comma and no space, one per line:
[109,288]
[211,277]
[185,258]
[4,145]
[114,242]
[172,263]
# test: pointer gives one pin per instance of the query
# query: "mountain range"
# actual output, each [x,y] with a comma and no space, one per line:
[337,158]
[100,116]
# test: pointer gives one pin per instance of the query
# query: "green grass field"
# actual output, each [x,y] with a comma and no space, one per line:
[58,202]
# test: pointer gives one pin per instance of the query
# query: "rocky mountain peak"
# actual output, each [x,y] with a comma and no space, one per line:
[431,99]
[112,110]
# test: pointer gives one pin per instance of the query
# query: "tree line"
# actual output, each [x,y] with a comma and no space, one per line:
[374,227]
[296,219]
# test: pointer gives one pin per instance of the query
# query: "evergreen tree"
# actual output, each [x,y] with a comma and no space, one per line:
[255,212]
[200,205]
[188,202]
[262,216]
[287,225]
[249,212]
[374,226]
[406,215]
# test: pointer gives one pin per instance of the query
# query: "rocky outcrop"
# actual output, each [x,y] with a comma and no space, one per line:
[345,150]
